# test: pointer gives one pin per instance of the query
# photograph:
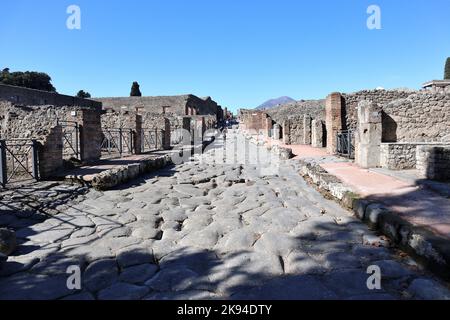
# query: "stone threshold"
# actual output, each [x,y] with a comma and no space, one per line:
[429,248]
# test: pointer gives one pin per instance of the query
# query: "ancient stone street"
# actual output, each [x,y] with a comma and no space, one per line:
[207,229]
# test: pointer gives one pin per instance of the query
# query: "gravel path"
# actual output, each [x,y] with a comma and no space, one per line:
[210,230]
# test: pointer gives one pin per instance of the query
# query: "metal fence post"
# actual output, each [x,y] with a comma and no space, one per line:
[3,171]
[34,156]
[132,144]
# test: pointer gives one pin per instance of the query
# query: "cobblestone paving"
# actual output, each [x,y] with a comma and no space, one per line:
[209,230]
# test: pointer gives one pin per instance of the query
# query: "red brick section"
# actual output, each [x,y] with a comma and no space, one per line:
[334,119]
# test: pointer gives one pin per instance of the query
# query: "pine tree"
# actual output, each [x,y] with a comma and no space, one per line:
[83,95]
[135,91]
[447,70]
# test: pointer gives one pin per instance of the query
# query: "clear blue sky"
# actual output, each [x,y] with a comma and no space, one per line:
[240,52]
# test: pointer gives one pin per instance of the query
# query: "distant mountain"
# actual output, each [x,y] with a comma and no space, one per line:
[275,102]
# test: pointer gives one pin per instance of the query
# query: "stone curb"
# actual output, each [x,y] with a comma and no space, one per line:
[431,250]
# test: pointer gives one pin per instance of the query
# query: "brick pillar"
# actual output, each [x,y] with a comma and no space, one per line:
[334,117]
[317,133]
[287,132]
[368,136]
[51,153]
[307,129]
[90,133]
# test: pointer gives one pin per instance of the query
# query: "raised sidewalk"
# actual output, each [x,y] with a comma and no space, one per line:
[413,213]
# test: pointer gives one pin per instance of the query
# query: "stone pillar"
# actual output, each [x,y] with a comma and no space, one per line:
[276,132]
[287,132]
[268,126]
[368,136]
[89,121]
[317,132]
[51,153]
[334,117]
[307,129]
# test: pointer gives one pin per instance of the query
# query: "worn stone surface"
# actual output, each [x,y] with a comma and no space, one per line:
[207,229]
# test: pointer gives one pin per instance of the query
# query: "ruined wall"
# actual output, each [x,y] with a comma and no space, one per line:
[381,97]
[121,119]
[36,122]
[293,130]
[164,105]
[398,156]
[422,117]
[433,162]
[32,97]
[314,108]
[31,122]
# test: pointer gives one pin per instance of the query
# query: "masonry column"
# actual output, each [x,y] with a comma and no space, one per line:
[51,153]
[334,118]
[90,134]
[276,132]
[368,135]
[268,126]
[307,129]
[286,132]
[317,137]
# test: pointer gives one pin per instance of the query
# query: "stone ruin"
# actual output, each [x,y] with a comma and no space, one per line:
[57,136]
[393,129]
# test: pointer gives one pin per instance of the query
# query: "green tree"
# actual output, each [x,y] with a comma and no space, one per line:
[83,95]
[135,90]
[447,70]
[28,79]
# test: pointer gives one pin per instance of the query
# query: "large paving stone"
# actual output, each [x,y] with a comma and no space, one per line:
[134,255]
[427,289]
[177,278]
[123,291]
[34,287]
[138,274]
[289,288]
[100,274]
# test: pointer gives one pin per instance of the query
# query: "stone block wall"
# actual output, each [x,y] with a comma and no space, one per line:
[380,97]
[421,117]
[293,130]
[398,156]
[433,162]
